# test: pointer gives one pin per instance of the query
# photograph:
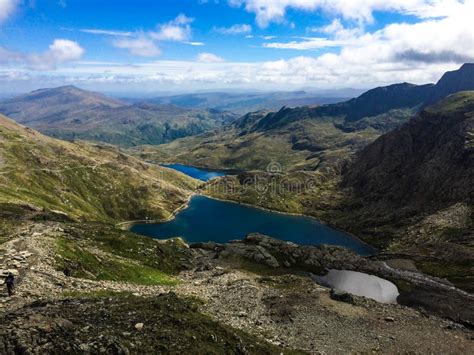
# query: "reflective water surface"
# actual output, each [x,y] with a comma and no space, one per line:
[360,284]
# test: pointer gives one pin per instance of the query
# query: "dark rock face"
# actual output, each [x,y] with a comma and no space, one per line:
[275,253]
[341,296]
[427,163]
[383,99]
[452,82]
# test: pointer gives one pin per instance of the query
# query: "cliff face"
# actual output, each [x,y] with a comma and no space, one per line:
[428,163]
[452,82]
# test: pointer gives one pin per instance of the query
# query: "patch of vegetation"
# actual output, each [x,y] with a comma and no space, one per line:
[170,256]
[80,261]
[460,273]
[6,228]
[96,294]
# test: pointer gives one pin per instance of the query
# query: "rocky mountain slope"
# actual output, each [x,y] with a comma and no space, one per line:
[84,285]
[427,163]
[224,298]
[83,180]
[311,137]
[409,192]
[71,113]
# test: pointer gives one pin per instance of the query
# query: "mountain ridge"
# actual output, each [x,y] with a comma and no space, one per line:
[71,113]
[315,137]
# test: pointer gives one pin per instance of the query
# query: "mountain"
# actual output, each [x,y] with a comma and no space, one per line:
[410,192]
[71,113]
[452,82]
[84,180]
[309,137]
[47,106]
[245,102]
[427,163]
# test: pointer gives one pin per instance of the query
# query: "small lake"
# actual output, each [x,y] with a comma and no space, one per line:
[360,284]
[208,219]
[197,173]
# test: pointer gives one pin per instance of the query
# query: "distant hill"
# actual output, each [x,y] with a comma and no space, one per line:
[83,180]
[71,113]
[311,137]
[242,103]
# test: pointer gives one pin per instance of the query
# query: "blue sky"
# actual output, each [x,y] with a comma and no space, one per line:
[188,45]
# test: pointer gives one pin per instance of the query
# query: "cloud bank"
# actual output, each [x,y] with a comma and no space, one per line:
[7,7]
[59,52]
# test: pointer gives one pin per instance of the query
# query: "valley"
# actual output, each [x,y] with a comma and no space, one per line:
[309,138]
[235,232]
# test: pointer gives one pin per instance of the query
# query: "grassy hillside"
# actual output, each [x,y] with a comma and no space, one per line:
[84,180]
[305,143]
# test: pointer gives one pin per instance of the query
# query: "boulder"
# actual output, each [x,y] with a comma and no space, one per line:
[341,296]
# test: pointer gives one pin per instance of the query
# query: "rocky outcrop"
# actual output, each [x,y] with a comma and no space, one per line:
[276,253]
[426,164]
[416,289]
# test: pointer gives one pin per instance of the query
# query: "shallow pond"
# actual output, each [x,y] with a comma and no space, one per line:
[360,284]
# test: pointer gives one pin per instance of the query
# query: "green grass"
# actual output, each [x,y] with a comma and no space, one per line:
[303,144]
[460,273]
[96,294]
[86,181]
[170,256]
[84,263]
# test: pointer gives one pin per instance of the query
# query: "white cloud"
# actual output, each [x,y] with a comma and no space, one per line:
[95,31]
[337,29]
[414,52]
[178,29]
[446,39]
[305,44]
[234,29]
[142,47]
[145,44]
[195,43]
[7,7]
[59,52]
[267,11]
[209,58]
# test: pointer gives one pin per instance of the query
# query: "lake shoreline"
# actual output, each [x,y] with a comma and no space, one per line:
[297,215]
[127,225]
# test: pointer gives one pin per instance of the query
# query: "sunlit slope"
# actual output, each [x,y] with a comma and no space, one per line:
[84,180]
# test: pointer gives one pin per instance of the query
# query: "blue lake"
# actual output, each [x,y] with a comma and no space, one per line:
[207,219]
[197,173]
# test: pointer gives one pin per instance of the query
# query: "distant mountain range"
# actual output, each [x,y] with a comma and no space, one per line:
[71,113]
[242,103]
[312,137]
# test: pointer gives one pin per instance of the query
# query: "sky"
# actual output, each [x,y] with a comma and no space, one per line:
[148,46]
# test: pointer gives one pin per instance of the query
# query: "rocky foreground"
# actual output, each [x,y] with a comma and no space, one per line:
[251,296]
